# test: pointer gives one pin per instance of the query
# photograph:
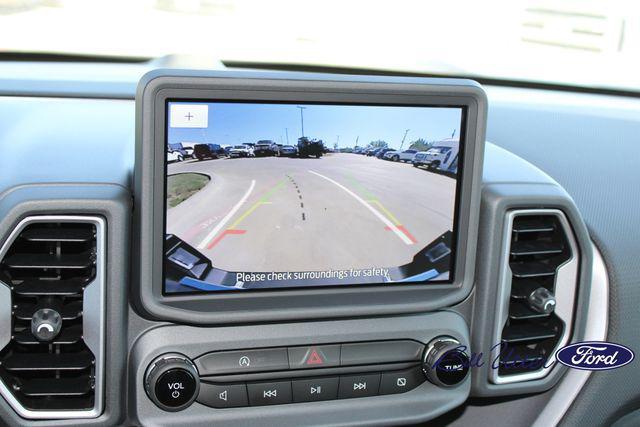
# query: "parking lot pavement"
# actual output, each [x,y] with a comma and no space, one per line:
[286,214]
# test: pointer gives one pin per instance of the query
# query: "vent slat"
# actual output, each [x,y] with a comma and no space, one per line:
[522,288]
[70,311]
[526,332]
[67,336]
[50,287]
[520,356]
[39,260]
[535,247]
[32,362]
[520,311]
[42,387]
[68,234]
[533,224]
[532,269]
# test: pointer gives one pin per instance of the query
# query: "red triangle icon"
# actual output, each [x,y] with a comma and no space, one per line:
[314,358]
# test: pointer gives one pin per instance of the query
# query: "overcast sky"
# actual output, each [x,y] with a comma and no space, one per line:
[236,123]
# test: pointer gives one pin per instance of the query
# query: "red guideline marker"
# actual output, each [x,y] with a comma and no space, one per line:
[221,236]
[314,358]
[404,230]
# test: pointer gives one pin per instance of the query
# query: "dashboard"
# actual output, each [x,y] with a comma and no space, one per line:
[149,277]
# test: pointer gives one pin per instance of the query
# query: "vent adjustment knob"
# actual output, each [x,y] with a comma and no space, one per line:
[445,363]
[542,301]
[172,382]
[46,324]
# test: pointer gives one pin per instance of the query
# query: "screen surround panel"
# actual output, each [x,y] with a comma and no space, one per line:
[297,211]
[159,87]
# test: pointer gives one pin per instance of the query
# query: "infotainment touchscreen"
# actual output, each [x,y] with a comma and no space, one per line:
[292,195]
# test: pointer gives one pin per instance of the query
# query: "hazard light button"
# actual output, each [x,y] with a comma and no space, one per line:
[317,356]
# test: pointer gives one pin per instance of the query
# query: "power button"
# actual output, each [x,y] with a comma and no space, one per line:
[172,382]
[175,388]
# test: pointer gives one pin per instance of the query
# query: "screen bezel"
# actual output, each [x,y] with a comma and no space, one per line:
[456,207]
[312,302]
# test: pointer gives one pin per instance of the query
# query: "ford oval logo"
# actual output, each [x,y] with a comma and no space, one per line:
[595,355]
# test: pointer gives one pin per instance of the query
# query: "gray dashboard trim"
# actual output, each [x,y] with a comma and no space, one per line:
[512,183]
[5,314]
[596,330]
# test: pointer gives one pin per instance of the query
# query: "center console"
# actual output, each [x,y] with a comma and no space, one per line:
[287,227]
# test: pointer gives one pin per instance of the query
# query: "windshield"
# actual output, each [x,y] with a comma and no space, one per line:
[591,43]
[437,150]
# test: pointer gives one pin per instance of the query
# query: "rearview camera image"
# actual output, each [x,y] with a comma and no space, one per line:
[284,195]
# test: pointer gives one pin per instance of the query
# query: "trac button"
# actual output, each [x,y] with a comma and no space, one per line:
[318,356]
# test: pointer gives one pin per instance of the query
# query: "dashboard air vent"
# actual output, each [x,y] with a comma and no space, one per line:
[537,310]
[47,366]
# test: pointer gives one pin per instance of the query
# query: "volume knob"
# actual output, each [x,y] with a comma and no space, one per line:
[172,382]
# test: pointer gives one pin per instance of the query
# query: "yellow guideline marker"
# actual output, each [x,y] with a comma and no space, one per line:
[263,201]
[386,212]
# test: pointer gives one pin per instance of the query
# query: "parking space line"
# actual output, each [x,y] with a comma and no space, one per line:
[402,236]
[386,211]
[227,217]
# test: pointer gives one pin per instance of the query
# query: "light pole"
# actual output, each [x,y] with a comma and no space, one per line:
[403,138]
[302,118]
[286,131]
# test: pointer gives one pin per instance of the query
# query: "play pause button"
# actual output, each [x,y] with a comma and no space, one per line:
[312,390]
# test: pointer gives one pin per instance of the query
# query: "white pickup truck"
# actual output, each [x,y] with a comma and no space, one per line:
[441,155]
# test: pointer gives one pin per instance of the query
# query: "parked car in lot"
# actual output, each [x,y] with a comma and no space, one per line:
[240,151]
[188,152]
[174,156]
[358,150]
[380,154]
[402,156]
[207,151]
[266,147]
[310,147]
[442,155]
[288,151]
[372,151]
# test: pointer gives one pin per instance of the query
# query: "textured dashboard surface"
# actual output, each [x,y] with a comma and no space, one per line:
[590,144]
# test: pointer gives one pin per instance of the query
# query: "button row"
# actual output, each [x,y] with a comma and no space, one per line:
[308,357]
[309,389]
